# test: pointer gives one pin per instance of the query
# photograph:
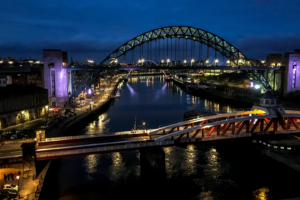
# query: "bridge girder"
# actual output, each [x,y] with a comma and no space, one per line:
[184,32]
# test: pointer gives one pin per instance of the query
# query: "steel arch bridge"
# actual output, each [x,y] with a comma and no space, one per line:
[184,32]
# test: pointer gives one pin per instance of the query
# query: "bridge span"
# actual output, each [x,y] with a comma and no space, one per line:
[216,128]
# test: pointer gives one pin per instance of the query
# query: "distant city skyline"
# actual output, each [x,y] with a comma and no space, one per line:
[95,29]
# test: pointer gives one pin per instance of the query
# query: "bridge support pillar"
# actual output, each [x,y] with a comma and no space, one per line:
[153,167]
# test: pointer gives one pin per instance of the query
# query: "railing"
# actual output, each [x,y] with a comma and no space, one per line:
[298,109]
[205,115]
[107,148]
[138,145]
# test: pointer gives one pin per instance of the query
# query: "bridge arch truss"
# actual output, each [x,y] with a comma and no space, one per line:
[185,32]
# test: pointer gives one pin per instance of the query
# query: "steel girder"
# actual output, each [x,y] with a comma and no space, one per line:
[185,32]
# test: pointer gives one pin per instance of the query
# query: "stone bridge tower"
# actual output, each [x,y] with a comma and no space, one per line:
[56,77]
[292,71]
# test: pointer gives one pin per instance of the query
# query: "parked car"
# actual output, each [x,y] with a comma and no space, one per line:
[10,186]
[6,197]
[11,193]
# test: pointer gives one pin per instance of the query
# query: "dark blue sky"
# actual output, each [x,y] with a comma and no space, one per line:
[96,28]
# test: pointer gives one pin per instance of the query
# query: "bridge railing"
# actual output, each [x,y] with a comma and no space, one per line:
[204,115]
[298,109]
[142,144]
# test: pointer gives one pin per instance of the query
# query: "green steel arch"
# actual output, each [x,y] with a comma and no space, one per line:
[186,32]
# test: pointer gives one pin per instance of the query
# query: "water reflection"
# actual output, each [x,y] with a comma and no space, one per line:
[91,163]
[261,194]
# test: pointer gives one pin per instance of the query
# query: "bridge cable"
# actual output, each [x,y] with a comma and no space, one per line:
[167,48]
[185,49]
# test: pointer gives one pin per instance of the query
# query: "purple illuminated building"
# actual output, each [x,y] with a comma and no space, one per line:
[56,77]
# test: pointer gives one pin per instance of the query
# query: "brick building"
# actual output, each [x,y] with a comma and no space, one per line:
[21,103]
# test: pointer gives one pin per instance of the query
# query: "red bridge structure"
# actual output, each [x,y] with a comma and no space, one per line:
[266,118]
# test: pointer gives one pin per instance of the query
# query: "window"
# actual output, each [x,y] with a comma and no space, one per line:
[267,101]
[53,83]
[289,148]
[281,147]
[294,75]
[275,147]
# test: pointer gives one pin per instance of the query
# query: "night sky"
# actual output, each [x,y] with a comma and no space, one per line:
[96,28]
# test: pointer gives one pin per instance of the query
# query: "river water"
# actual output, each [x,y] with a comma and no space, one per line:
[233,171]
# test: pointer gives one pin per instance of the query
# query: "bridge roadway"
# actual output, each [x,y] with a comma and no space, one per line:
[18,69]
[119,67]
[211,128]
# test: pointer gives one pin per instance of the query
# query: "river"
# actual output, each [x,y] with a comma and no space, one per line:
[233,171]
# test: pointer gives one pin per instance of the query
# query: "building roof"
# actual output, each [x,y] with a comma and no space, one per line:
[20,89]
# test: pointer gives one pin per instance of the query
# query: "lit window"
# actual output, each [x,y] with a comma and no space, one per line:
[281,147]
[269,145]
[275,147]
[264,143]
[289,148]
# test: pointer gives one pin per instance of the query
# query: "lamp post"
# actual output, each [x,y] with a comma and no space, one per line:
[228,61]
[18,178]
[162,61]
[168,60]
[207,62]
[184,62]
[143,61]
[116,61]
[216,62]
[22,115]
[192,62]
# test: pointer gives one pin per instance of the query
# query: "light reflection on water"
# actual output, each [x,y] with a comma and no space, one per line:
[194,171]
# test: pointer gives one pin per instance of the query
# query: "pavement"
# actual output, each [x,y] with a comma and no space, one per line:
[10,151]
[30,124]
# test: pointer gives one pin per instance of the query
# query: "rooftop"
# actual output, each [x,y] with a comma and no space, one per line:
[19,89]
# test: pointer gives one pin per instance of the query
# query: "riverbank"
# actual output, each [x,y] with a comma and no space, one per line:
[218,95]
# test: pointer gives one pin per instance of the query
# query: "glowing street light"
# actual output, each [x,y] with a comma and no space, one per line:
[216,61]
[143,61]
[192,62]
[207,61]
[262,61]
[228,61]
[184,61]
[168,60]
[162,61]
[116,61]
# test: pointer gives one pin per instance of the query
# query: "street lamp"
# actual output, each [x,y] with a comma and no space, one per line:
[184,61]
[192,62]
[216,61]
[207,61]
[168,60]
[143,61]
[18,178]
[22,115]
[162,61]
[116,61]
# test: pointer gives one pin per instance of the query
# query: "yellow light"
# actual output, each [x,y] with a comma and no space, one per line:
[278,64]
[207,61]
[168,60]
[240,60]
[228,61]
[116,61]
[262,61]
[184,61]
[10,62]
[46,107]
[30,61]
[23,112]
[192,60]
[216,60]
[162,61]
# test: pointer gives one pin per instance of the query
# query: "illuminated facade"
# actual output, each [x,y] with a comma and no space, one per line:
[292,67]
[56,77]
[22,103]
